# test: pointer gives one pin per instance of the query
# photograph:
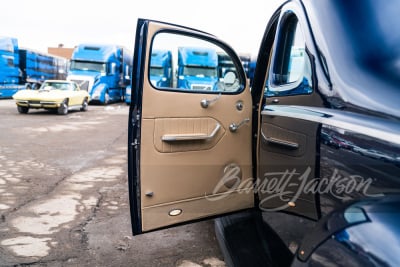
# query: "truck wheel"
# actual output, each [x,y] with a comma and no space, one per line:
[63,109]
[22,110]
[84,105]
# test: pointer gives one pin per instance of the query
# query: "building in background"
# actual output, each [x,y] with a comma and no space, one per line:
[61,51]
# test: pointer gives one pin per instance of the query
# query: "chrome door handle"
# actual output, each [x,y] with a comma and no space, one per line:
[191,137]
[276,141]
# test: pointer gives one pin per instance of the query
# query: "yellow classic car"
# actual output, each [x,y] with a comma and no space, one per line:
[57,95]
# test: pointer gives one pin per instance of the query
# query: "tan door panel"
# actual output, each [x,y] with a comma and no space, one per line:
[186,151]
[159,215]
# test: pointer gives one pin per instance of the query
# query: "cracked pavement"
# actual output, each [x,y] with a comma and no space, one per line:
[64,199]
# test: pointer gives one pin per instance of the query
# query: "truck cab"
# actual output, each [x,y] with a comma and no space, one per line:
[302,168]
[102,70]
[10,74]
[197,68]
[161,68]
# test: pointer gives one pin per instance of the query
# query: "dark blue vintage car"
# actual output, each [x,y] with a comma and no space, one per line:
[303,169]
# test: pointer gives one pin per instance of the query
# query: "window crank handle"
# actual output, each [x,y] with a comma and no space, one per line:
[205,102]
[234,127]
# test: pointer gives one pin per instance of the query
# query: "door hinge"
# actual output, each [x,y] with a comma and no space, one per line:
[135,143]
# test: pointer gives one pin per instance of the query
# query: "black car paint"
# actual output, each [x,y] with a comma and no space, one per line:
[358,86]
[370,238]
[134,130]
[354,76]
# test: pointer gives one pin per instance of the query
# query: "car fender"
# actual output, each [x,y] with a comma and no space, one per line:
[365,233]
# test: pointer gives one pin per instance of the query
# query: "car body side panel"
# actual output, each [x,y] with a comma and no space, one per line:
[363,233]
[356,165]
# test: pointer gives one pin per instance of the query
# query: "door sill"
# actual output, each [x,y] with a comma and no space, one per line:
[246,240]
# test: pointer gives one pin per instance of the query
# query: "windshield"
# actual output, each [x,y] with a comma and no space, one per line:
[156,71]
[200,72]
[6,45]
[88,66]
[57,86]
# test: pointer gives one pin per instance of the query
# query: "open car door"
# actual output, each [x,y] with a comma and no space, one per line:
[189,139]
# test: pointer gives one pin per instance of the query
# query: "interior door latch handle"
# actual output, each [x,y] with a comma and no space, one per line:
[205,102]
[191,137]
[234,127]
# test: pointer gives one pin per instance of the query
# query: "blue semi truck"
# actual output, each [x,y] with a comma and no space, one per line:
[160,71]
[225,64]
[161,68]
[197,68]
[102,70]
[22,68]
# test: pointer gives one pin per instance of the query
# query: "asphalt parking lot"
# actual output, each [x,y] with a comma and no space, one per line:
[64,198]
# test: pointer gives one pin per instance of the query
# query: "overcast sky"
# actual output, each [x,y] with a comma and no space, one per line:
[40,24]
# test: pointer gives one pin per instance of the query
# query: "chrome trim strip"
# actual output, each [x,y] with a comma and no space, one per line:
[276,141]
[370,126]
[190,137]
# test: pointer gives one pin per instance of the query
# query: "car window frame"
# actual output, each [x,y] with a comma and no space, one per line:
[228,50]
[285,19]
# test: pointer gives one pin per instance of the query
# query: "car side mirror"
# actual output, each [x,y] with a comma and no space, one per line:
[113,68]
[229,78]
